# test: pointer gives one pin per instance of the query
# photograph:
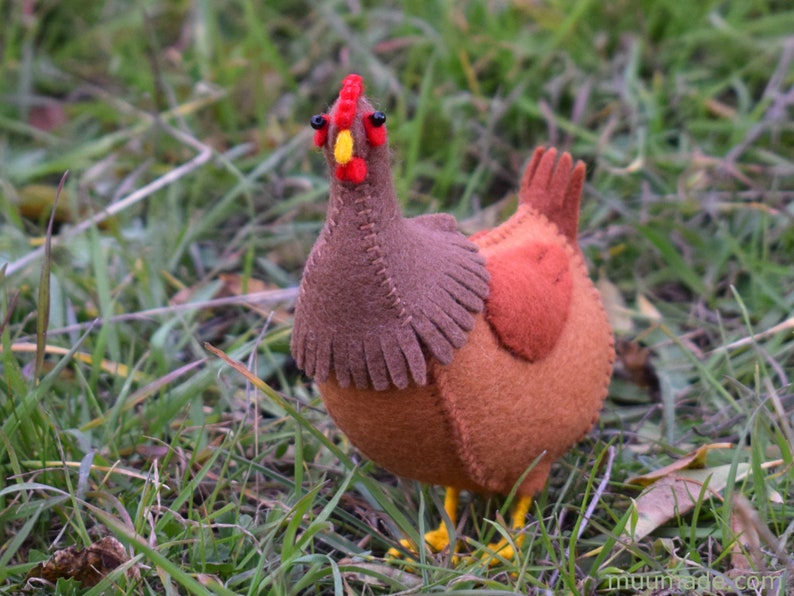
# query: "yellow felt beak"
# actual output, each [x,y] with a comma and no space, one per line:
[343,148]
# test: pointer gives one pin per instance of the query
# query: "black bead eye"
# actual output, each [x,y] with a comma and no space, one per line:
[377,118]
[318,121]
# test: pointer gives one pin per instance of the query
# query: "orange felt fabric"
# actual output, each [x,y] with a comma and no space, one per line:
[530,297]
[553,188]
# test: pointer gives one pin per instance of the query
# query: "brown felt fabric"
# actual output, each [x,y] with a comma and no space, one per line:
[380,293]
[427,373]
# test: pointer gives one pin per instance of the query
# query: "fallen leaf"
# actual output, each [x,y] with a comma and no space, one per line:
[35,202]
[677,495]
[746,556]
[200,292]
[647,309]
[619,316]
[752,532]
[676,489]
[720,109]
[88,566]
[694,459]
[636,366]
[209,580]
[236,285]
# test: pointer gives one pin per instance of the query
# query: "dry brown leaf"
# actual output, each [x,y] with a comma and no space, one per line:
[647,309]
[676,489]
[670,496]
[693,460]
[183,296]
[35,202]
[88,566]
[751,532]
[209,580]
[619,316]
[746,555]
[233,285]
[490,216]
[636,366]
[720,109]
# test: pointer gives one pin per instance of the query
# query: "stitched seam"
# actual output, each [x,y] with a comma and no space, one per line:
[332,220]
[333,217]
[378,260]
[507,228]
[461,434]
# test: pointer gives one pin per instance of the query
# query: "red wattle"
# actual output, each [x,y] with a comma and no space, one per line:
[354,171]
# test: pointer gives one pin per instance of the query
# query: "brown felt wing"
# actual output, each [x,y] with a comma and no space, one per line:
[373,308]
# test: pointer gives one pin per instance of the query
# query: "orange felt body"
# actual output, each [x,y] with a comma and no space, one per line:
[531,376]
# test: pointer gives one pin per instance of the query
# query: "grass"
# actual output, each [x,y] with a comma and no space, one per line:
[183,126]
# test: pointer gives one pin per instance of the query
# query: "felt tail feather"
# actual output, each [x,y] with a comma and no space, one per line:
[554,188]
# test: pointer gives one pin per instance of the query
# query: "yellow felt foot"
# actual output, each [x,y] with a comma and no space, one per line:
[437,539]
[503,549]
[396,553]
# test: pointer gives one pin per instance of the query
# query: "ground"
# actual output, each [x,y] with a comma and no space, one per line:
[192,180]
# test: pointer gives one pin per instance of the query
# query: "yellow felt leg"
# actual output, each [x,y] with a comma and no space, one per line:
[437,539]
[520,512]
[504,549]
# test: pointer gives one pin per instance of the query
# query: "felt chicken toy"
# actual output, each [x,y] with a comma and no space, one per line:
[453,361]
